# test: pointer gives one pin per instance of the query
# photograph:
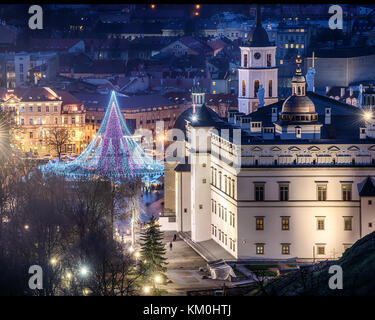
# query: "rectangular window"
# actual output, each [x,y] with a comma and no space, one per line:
[269,60]
[31,135]
[39,109]
[47,108]
[322,192]
[30,109]
[346,192]
[321,250]
[284,192]
[259,223]
[347,223]
[285,249]
[320,224]
[31,121]
[245,60]
[259,248]
[259,192]
[285,223]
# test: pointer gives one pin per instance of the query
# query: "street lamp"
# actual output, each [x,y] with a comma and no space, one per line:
[367,115]
[158,279]
[146,290]
[53,261]
[84,271]
[26,227]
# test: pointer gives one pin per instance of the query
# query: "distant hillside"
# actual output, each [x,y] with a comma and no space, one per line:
[358,264]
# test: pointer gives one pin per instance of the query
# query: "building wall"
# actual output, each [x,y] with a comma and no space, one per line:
[341,71]
[368,215]
[183,201]
[233,208]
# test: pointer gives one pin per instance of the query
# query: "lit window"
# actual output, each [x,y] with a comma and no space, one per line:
[320,224]
[286,46]
[214,83]
[259,248]
[321,250]
[281,61]
[285,249]
[285,223]
[259,223]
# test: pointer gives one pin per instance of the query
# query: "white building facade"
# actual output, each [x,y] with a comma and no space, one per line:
[295,195]
[258,68]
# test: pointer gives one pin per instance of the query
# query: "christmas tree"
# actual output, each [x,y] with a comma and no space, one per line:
[152,249]
[113,153]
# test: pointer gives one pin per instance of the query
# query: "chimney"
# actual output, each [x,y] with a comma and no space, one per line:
[327,89]
[362,133]
[342,92]
[327,116]
[351,91]
[274,115]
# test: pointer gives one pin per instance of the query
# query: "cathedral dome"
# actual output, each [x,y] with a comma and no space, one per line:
[298,107]
[298,104]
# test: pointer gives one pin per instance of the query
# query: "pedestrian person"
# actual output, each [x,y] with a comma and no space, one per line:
[170,246]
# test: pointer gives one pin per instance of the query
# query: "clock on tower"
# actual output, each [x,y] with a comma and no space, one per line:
[258,67]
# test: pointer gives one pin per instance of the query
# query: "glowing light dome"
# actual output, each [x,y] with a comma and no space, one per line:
[113,153]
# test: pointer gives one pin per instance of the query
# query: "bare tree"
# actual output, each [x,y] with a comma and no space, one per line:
[57,138]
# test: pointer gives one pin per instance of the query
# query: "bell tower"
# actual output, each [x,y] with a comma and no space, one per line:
[258,67]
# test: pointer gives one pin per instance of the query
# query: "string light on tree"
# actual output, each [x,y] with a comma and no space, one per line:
[113,153]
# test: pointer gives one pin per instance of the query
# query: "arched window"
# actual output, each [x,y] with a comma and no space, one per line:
[270,88]
[256,88]
[243,88]
[299,91]
[245,60]
[269,60]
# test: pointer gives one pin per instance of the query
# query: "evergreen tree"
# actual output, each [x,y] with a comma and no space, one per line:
[152,249]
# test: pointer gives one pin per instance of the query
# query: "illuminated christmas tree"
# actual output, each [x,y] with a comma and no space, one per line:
[113,153]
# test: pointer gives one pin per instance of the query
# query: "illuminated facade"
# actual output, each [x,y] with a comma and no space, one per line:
[304,187]
[37,111]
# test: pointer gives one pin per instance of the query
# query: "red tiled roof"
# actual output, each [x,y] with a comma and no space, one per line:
[216,44]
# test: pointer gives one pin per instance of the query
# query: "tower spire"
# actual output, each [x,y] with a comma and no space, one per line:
[258,22]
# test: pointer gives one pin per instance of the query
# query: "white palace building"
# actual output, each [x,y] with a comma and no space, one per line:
[305,186]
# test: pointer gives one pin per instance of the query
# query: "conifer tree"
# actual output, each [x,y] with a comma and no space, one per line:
[153,249]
